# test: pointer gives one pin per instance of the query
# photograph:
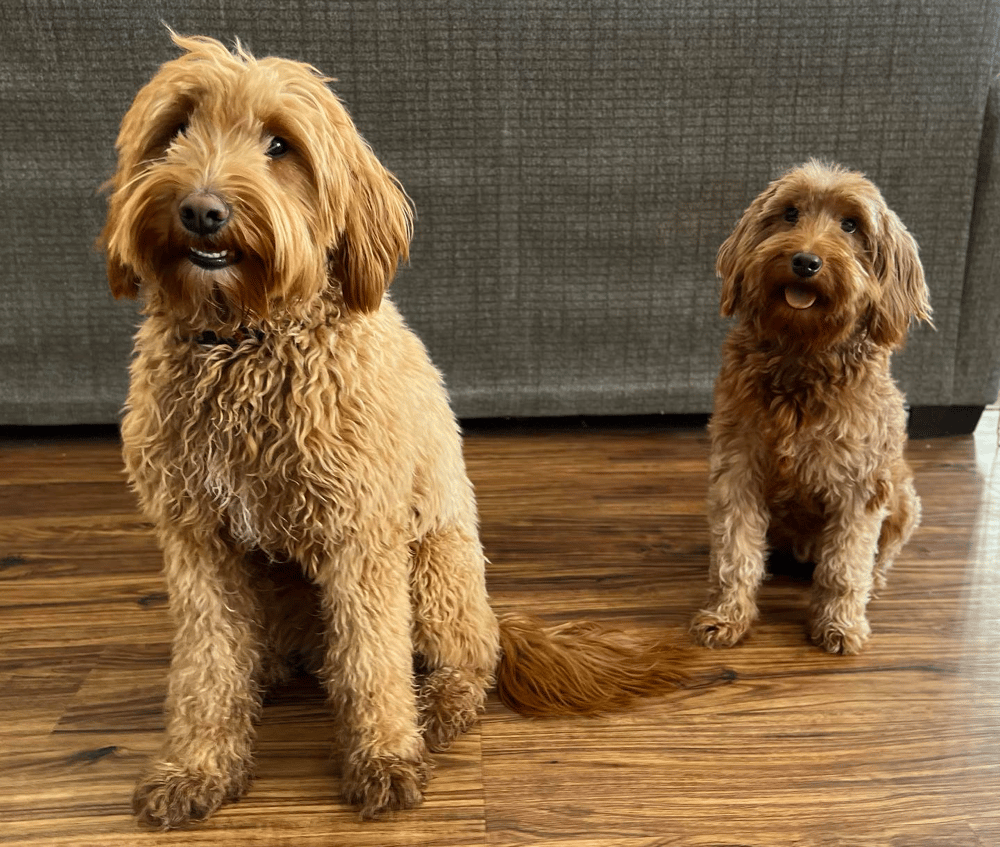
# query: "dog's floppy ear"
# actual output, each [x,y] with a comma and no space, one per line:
[727,269]
[378,222]
[122,279]
[904,292]
[736,248]
[364,215]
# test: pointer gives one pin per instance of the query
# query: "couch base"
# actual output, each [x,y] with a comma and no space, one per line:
[940,421]
[924,422]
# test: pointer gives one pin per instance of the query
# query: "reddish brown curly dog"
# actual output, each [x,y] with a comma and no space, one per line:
[294,447]
[808,429]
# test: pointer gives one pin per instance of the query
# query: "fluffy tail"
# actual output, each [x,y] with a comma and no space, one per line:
[577,668]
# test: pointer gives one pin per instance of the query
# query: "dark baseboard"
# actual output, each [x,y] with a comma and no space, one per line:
[494,426]
[941,421]
[925,422]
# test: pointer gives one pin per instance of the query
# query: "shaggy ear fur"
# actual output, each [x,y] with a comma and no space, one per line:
[727,269]
[904,291]
[376,236]
[735,249]
[122,280]
[369,213]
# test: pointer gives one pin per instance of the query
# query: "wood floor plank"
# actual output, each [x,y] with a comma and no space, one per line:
[772,744]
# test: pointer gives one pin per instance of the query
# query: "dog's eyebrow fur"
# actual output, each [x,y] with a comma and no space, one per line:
[166,124]
[842,199]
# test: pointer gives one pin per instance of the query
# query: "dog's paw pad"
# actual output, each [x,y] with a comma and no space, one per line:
[712,630]
[171,796]
[384,784]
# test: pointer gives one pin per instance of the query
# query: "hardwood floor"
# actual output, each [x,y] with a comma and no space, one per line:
[774,743]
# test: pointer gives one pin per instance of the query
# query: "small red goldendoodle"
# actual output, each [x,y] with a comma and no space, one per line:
[809,428]
[293,444]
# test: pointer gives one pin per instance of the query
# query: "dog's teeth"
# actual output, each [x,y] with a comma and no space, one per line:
[211,259]
[799,296]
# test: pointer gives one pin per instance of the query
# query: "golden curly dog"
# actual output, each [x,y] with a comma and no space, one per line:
[295,449]
[808,428]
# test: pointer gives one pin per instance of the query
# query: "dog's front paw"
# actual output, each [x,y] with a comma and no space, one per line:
[171,796]
[711,629]
[840,638]
[450,701]
[383,784]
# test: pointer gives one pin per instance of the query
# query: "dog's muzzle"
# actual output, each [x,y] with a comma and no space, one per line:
[203,213]
[804,266]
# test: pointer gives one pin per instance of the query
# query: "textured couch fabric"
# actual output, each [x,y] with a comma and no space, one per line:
[574,167]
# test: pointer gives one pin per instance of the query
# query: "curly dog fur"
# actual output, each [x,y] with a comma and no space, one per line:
[809,428]
[294,446]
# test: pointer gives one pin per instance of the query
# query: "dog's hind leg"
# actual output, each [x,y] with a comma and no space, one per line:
[368,672]
[896,530]
[454,632]
[213,697]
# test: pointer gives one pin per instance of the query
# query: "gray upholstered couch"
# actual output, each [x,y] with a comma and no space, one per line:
[574,166]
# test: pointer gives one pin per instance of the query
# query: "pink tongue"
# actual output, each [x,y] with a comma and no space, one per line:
[799,296]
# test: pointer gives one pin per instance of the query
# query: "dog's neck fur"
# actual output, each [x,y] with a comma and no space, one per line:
[785,372]
[209,338]
[324,309]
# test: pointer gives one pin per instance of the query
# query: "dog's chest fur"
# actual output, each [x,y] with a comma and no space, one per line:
[808,425]
[269,434]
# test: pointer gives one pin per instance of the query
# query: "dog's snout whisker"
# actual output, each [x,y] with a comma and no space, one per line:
[806,265]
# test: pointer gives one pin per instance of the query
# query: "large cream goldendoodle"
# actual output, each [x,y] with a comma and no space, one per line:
[294,447]
[809,428]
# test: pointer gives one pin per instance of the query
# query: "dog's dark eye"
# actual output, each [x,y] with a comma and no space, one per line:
[849,225]
[792,215]
[277,148]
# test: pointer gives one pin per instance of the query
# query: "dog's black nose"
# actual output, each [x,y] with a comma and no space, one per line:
[203,213]
[806,264]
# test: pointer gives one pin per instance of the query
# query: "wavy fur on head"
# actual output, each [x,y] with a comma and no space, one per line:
[294,446]
[320,205]
[809,428]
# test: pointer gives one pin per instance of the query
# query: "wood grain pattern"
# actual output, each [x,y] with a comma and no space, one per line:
[774,743]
